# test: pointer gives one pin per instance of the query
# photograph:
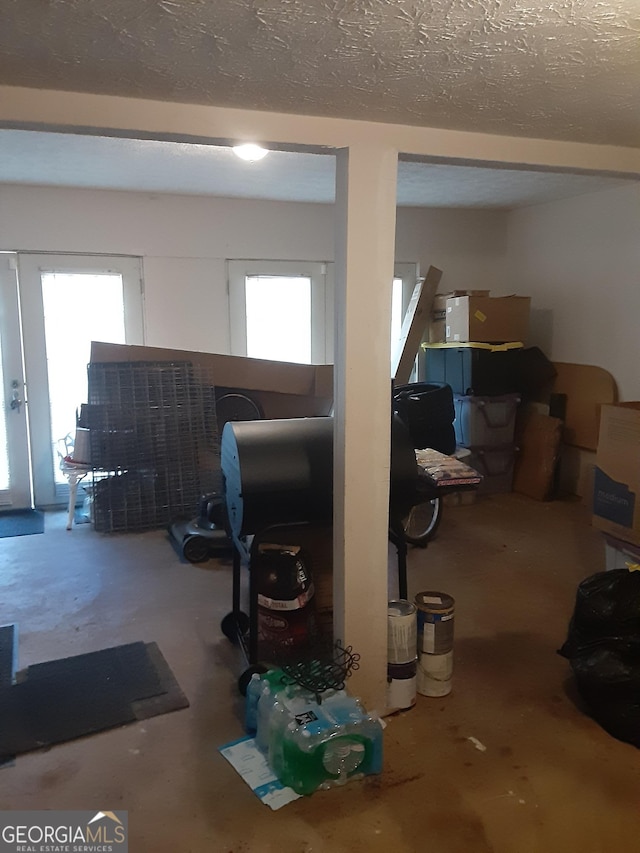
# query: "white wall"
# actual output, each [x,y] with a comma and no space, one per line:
[185,240]
[580,261]
[469,246]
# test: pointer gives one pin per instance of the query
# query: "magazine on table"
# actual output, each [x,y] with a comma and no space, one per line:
[443,470]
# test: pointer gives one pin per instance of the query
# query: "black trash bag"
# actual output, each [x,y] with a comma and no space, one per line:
[611,665]
[607,605]
[427,409]
[619,717]
[603,649]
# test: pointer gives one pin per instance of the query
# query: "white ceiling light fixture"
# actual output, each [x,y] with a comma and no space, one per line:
[250,152]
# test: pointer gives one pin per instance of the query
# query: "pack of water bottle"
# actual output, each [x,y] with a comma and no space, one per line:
[311,744]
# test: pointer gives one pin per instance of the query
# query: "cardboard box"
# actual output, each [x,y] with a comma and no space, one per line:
[538,439]
[437,333]
[586,389]
[487,319]
[282,389]
[619,554]
[616,508]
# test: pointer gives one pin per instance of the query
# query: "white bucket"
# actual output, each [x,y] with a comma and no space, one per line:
[434,674]
[401,686]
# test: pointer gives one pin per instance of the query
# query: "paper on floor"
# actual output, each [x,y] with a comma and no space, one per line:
[245,757]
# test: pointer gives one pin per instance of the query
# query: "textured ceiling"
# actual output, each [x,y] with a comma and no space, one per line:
[69,160]
[558,69]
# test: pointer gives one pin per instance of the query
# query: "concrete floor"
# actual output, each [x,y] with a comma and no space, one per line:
[549,780]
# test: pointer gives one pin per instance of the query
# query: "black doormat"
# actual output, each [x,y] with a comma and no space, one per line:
[8,654]
[21,522]
[65,699]
[8,665]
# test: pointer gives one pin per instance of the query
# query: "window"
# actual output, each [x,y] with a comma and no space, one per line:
[279,317]
[98,299]
[67,301]
[278,310]
[283,310]
[4,448]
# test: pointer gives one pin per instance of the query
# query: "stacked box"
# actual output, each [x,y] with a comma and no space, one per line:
[488,319]
[616,508]
[486,427]
[619,554]
[437,330]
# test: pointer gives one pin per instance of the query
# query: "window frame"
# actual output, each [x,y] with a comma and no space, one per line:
[321,301]
[322,275]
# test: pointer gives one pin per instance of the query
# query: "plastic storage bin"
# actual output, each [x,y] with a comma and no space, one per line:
[496,466]
[485,421]
[469,370]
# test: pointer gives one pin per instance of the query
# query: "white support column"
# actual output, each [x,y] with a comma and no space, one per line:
[365,242]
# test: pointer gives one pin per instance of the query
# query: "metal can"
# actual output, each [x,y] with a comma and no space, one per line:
[401,631]
[435,622]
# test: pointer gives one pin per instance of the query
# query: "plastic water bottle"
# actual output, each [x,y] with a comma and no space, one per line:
[254,689]
[315,745]
[274,679]
[342,757]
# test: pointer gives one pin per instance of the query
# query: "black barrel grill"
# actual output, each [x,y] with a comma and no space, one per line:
[280,472]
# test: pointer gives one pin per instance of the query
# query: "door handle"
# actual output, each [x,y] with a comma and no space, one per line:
[16,400]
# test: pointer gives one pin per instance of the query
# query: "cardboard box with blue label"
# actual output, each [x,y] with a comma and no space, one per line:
[616,490]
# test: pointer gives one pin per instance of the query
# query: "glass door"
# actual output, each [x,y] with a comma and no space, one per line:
[15,471]
[67,302]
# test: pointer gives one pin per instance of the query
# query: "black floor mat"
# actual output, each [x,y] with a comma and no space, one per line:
[66,699]
[171,699]
[8,666]
[8,649]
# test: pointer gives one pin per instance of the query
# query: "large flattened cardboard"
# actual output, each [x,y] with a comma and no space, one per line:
[487,319]
[416,320]
[587,388]
[538,440]
[616,491]
[283,389]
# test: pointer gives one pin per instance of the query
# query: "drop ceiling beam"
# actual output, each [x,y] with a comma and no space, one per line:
[110,115]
